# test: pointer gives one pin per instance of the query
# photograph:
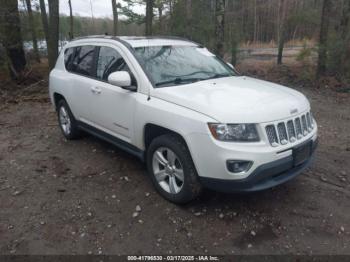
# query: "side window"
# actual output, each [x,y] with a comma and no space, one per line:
[109,61]
[68,58]
[83,60]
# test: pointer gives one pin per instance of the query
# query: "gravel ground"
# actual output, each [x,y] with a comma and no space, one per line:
[87,197]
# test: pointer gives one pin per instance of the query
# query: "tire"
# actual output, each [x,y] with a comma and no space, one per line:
[187,186]
[66,121]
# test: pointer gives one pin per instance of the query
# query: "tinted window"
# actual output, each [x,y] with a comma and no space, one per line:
[109,61]
[68,57]
[83,60]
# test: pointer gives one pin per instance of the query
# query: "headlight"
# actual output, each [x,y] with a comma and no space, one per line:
[234,132]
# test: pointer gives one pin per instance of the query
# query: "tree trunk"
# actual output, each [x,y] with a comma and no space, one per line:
[280,48]
[344,39]
[149,16]
[33,32]
[71,21]
[189,19]
[323,44]
[255,22]
[282,31]
[220,27]
[234,47]
[92,19]
[11,37]
[161,20]
[44,20]
[53,32]
[115,17]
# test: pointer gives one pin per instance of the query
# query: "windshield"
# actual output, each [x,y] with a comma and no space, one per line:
[176,65]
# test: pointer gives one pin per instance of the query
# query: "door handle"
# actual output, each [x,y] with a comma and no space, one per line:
[96,90]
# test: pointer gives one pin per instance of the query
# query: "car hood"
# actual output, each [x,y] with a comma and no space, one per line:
[237,99]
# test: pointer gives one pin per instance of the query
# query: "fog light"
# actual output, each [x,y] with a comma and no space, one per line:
[238,166]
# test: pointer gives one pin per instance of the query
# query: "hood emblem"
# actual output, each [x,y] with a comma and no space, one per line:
[294,111]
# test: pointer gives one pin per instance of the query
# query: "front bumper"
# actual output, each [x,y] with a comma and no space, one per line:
[263,177]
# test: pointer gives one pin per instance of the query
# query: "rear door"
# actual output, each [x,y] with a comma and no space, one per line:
[82,70]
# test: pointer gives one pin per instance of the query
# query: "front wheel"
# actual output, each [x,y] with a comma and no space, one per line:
[172,170]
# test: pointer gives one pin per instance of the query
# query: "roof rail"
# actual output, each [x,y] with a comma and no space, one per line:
[135,38]
[93,36]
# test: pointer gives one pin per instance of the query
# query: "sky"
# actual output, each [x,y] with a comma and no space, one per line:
[100,8]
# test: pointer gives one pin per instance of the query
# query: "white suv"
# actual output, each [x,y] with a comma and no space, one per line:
[191,117]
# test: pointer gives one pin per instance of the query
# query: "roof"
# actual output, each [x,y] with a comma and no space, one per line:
[140,41]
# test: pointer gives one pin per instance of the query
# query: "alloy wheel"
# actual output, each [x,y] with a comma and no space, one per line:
[168,170]
[65,121]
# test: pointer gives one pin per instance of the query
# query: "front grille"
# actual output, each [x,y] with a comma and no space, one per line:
[290,131]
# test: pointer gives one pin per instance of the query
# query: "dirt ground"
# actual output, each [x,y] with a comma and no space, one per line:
[60,197]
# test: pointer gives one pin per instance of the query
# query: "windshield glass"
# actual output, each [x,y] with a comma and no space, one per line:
[176,65]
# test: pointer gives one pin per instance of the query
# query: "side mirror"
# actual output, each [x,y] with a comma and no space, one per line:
[121,79]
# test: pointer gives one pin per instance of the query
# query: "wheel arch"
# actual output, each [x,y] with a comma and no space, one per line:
[152,131]
[57,98]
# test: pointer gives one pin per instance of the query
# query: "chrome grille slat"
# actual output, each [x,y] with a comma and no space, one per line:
[304,125]
[282,133]
[291,131]
[308,120]
[272,135]
[298,130]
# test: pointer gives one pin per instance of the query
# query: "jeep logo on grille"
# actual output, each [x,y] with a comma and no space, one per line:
[294,111]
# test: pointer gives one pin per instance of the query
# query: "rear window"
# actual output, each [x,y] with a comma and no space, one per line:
[68,57]
[80,60]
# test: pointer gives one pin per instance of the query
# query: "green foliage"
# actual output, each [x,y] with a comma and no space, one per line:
[202,29]
[127,11]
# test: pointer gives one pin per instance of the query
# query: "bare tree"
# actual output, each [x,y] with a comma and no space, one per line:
[11,37]
[345,21]
[159,4]
[282,29]
[32,30]
[115,17]
[71,21]
[53,32]
[44,20]
[149,16]
[220,27]
[323,44]
[255,22]
[189,18]
[231,18]
[344,35]
[92,17]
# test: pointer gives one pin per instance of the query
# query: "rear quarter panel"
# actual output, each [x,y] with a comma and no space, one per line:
[61,82]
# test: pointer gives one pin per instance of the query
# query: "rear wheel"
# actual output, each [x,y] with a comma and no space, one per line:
[172,170]
[67,121]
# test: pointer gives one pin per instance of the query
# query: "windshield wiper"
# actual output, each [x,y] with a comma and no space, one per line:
[179,81]
[218,76]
